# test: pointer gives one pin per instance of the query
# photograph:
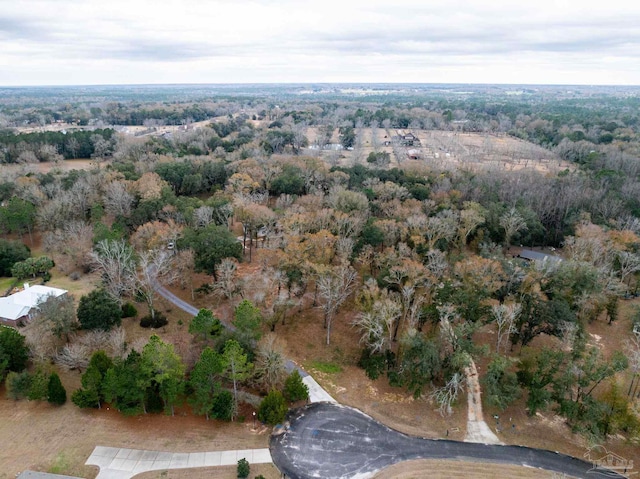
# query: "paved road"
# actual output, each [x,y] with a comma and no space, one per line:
[172,298]
[316,393]
[331,441]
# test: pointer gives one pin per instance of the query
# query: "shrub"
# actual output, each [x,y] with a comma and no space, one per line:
[155,322]
[85,398]
[98,310]
[273,408]
[294,388]
[13,350]
[372,363]
[129,310]
[18,385]
[222,407]
[56,391]
[243,468]
[38,389]
[11,252]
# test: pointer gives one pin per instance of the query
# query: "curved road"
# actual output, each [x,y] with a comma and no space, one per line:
[184,306]
[332,441]
[329,441]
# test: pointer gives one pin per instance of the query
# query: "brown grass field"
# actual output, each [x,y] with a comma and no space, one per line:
[456,469]
[450,150]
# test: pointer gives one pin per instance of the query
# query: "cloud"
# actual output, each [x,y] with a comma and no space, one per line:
[313,40]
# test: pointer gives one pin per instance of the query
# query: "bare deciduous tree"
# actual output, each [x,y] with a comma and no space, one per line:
[116,263]
[73,356]
[505,316]
[446,395]
[228,284]
[512,222]
[448,316]
[335,284]
[117,200]
[377,324]
[156,268]
[203,216]
[270,362]
[629,263]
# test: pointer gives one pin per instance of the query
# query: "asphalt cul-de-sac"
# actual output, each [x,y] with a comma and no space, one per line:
[330,441]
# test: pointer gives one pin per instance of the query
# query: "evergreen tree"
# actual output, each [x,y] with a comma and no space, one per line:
[56,392]
[164,370]
[92,392]
[294,388]
[222,407]
[204,381]
[247,319]
[236,367]
[13,350]
[98,310]
[205,324]
[125,385]
[273,408]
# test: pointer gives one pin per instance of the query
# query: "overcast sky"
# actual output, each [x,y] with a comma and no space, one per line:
[76,42]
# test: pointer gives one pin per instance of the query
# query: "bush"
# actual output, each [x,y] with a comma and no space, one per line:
[85,398]
[56,392]
[372,363]
[129,310]
[222,407]
[273,408]
[13,350]
[243,468]
[98,310]
[294,388]
[11,252]
[157,321]
[18,385]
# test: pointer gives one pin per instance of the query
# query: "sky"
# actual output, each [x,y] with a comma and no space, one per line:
[90,42]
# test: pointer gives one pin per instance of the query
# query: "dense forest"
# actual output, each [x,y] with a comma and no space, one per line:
[395,205]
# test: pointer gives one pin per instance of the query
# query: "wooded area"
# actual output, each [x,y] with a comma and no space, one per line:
[416,244]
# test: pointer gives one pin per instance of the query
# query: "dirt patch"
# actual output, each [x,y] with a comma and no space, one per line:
[269,471]
[48,166]
[449,469]
[450,150]
[41,437]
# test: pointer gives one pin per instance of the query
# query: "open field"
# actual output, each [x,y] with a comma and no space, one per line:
[48,166]
[450,469]
[269,471]
[41,437]
[449,150]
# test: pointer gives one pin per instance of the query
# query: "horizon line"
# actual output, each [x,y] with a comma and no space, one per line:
[582,85]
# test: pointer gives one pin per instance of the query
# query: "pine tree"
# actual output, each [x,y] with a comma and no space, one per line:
[294,388]
[56,392]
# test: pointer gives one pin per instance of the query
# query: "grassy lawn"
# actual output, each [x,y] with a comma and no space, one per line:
[5,284]
[325,367]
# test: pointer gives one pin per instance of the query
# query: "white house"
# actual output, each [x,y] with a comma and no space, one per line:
[19,306]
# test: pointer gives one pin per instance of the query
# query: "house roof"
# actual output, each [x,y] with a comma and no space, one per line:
[537,256]
[19,304]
